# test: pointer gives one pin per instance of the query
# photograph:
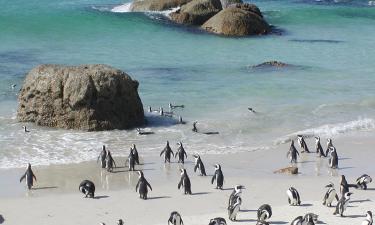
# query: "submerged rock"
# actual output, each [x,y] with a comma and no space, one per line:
[156,5]
[288,170]
[86,97]
[271,64]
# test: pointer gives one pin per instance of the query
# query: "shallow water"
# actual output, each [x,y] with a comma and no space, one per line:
[328,91]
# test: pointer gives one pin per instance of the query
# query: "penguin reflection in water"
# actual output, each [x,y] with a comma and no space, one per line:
[143,186]
[28,176]
[185,182]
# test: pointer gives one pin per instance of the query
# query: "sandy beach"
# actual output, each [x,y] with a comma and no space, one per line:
[55,198]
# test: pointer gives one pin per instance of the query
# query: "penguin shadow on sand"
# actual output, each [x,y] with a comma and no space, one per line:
[2,219]
[44,188]
[101,196]
[158,197]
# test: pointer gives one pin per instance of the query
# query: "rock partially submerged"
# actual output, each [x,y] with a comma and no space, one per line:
[86,97]
[156,5]
[269,64]
[288,170]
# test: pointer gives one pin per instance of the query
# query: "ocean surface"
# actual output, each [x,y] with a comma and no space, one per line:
[329,90]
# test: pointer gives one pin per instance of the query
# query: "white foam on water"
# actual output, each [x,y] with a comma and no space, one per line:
[122,8]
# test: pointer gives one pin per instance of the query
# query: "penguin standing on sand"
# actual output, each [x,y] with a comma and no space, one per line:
[218,221]
[199,165]
[181,153]
[308,220]
[293,196]
[87,187]
[318,147]
[234,208]
[175,219]
[120,222]
[131,160]
[329,145]
[102,157]
[110,162]
[368,220]
[185,182]
[135,154]
[344,186]
[362,181]
[302,144]
[218,176]
[195,127]
[235,193]
[342,204]
[333,160]
[143,186]
[330,195]
[28,176]
[264,212]
[167,151]
[292,153]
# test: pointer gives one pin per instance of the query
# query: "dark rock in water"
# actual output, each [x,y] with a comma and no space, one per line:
[156,5]
[86,97]
[271,64]
[196,12]
[238,20]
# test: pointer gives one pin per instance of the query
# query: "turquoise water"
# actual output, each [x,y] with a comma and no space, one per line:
[329,91]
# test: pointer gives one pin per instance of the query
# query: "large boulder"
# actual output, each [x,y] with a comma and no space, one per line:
[156,5]
[196,12]
[238,20]
[86,97]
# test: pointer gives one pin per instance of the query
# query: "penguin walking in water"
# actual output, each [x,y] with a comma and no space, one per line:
[29,176]
[218,176]
[292,153]
[330,195]
[318,147]
[167,151]
[185,182]
[293,196]
[175,219]
[333,160]
[131,160]
[264,212]
[368,220]
[110,162]
[342,204]
[87,187]
[199,165]
[302,144]
[329,145]
[218,221]
[135,154]
[181,153]
[362,181]
[102,157]
[143,186]
[235,193]
[234,208]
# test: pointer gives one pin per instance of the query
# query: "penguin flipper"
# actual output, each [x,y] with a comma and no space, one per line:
[213,178]
[148,184]
[162,152]
[179,184]
[195,168]
[23,177]
[136,187]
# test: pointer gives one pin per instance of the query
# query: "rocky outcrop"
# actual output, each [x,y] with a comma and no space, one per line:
[226,3]
[238,20]
[271,64]
[86,97]
[196,12]
[156,5]
[288,170]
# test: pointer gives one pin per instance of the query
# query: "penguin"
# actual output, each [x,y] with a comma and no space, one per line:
[110,162]
[120,222]
[167,151]
[181,153]
[333,160]
[180,121]
[308,220]
[342,204]
[362,181]
[264,212]
[329,144]
[135,153]
[368,220]
[175,106]
[195,127]
[218,221]
[330,195]
[102,157]
[142,184]
[311,217]
[218,176]
[87,187]
[318,147]
[251,110]
[199,165]
[149,109]
[131,160]
[13,86]
[234,208]
[302,144]
[292,153]
[29,176]
[297,221]
[175,219]
[293,196]
[235,193]
[185,182]
[25,129]
[344,186]
[141,132]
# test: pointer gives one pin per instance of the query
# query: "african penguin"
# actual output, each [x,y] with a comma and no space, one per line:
[218,176]
[302,144]
[28,176]
[293,196]
[342,204]
[143,186]
[102,157]
[185,182]
[311,217]
[333,158]
[195,127]
[199,165]
[368,220]
[218,221]
[330,195]
[344,186]
[110,162]
[363,180]
[318,147]
[235,193]
[135,153]
[167,151]
[131,160]
[25,129]
[292,153]
[234,208]
[308,220]
[181,153]
[297,221]
[87,187]
[264,212]
[175,219]
[329,144]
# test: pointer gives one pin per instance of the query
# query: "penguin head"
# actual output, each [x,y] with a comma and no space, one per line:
[309,218]
[134,146]
[369,214]
[28,166]
[292,142]
[330,185]
[167,143]
[317,139]
[329,141]
[239,187]
[348,194]
[103,147]
[140,173]
[183,171]
[217,167]
[299,136]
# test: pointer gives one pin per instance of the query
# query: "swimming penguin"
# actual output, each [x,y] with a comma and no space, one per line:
[181,153]
[135,153]
[330,195]
[368,220]
[167,151]
[234,208]
[185,182]
[175,106]
[28,176]
[110,162]
[218,176]
[329,144]
[235,193]
[218,221]
[120,222]
[25,129]
[142,184]
[195,127]
[318,147]
[292,153]
[342,204]
[264,212]
[199,165]
[297,221]
[293,196]
[87,187]
[102,157]
[175,219]
[333,160]
[131,160]
[302,144]
[362,181]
